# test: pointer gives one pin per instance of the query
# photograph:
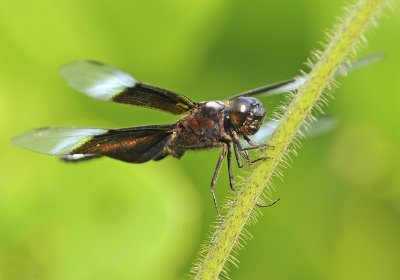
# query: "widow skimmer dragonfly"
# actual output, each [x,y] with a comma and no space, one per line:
[208,124]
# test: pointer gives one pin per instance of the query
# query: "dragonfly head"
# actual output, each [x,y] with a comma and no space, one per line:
[246,114]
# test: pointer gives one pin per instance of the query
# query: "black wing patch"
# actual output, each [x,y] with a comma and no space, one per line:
[154,97]
[107,83]
[272,89]
[134,145]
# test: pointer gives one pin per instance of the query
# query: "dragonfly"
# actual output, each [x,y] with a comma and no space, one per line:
[227,124]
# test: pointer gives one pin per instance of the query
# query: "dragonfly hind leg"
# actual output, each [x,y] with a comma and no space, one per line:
[214,179]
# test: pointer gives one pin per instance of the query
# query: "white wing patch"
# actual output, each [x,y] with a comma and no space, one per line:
[95,79]
[56,140]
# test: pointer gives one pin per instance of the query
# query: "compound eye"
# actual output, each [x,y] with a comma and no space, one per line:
[239,109]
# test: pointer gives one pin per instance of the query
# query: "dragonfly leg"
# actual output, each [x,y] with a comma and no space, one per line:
[255,148]
[258,159]
[230,169]
[267,205]
[214,180]
[239,150]
[238,153]
[253,144]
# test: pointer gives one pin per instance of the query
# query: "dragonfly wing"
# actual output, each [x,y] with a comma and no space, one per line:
[56,140]
[273,89]
[136,144]
[321,126]
[296,83]
[107,83]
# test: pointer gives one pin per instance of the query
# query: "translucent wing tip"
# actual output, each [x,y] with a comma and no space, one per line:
[96,79]
[77,66]
[320,126]
[24,140]
[80,74]
[55,140]
[360,63]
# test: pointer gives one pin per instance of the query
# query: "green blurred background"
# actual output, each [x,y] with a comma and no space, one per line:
[339,217]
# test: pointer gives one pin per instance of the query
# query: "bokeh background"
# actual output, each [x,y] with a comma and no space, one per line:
[339,217]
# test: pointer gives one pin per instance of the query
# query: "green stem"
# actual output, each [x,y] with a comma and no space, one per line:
[343,42]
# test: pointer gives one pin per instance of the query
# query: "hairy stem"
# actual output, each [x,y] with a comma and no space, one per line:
[342,43]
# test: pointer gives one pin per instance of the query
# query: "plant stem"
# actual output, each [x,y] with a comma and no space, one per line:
[343,42]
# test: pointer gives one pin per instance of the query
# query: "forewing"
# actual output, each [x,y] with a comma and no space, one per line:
[155,97]
[273,89]
[296,83]
[137,144]
[107,83]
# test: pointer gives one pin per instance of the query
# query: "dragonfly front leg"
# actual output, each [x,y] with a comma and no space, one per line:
[240,151]
[231,177]
[253,144]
